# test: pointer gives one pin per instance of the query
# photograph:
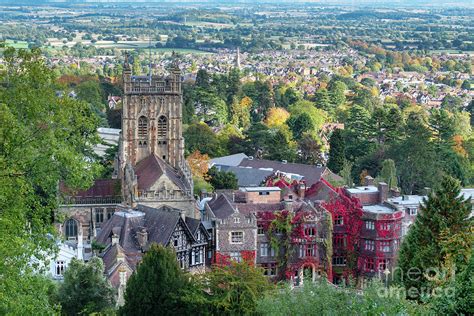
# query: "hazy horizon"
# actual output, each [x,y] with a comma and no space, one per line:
[394,3]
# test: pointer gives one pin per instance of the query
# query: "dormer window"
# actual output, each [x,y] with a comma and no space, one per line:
[339,221]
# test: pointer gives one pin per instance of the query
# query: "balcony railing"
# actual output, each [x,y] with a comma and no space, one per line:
[91,200]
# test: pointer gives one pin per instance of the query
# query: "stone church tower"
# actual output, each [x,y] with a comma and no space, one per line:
[153,169]
[152,117]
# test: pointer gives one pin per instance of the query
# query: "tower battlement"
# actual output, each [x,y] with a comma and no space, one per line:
[153,85]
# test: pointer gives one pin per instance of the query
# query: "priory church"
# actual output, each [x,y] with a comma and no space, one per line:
[151,199]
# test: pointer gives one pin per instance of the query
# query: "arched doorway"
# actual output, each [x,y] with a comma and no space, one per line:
[307,272]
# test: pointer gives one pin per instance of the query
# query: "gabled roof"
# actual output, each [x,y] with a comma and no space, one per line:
[194,225]
[221,206]
[320,191]
[150,169]
[159,223]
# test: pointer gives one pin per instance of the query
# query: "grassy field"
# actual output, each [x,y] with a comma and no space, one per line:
[16,44]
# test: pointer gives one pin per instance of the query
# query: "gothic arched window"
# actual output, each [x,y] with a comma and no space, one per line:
[71,228]
[162,126]
[142,129]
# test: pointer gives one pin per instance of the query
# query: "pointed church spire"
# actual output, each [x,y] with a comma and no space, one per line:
[237,58]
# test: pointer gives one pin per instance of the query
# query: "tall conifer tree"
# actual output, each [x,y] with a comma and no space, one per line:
[444,214]
[337,147]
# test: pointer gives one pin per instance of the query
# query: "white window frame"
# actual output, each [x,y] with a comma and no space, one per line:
[369,245]
[369,225]
[232,240]
[60,267]
[263,250]
[236,256]
[385,246]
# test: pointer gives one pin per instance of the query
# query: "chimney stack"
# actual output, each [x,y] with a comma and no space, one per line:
[383,192]
[301,190]
[142,237]
[116,235]
[394,192]
[368,180]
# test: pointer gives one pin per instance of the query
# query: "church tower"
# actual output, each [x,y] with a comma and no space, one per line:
[153,169]
[152,117]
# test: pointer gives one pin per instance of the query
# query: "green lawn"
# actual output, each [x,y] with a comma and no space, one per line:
[18,44]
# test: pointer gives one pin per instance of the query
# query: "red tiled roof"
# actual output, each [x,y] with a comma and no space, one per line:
[100,188]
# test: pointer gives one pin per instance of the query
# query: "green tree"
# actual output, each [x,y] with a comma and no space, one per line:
[442,125]
[85,289]
[222,179]
[358,132]
[346,173]
[445,213]
[44,139]
[159,286]
[322,100]
[415,157]
[337,93]
[331,300]
[236,288]
[299,124]
[199,136]
[460,302]
[210,107]
[318,117]
[203,79]
[388,174]
[337,148]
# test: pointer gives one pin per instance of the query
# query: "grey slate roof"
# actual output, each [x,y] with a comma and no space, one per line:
[311,173]
[231,160]
[159,223]
[221,206]
[248,177]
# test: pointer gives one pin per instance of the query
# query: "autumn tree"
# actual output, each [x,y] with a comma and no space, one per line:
[241,112]
[276,117]
[199,164]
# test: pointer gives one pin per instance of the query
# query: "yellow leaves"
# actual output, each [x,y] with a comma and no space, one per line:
[241,112]
[374,91]
[458,145]
[276,117]
[199,164]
